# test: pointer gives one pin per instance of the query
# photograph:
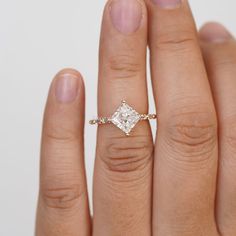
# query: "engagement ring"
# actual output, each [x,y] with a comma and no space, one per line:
[125,118]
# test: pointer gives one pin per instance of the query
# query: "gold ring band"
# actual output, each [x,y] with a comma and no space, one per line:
[108,120]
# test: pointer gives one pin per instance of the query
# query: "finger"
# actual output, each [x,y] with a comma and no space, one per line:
[123,171]
[186,148]
[63,204]
[219,49]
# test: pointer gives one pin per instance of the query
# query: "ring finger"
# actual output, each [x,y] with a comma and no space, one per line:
[123,169]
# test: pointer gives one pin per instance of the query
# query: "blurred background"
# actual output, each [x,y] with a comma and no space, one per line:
[38,38]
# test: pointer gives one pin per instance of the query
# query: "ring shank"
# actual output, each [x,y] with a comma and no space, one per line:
[107,120]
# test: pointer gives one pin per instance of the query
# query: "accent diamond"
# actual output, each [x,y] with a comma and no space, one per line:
[125,118]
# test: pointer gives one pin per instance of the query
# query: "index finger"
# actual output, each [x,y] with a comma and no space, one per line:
[63,201]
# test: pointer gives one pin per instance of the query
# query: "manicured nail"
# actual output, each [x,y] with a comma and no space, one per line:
[168,4]
[66,88]
[215,32]
[126,15]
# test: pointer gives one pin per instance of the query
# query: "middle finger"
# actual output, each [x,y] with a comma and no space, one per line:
[186,149]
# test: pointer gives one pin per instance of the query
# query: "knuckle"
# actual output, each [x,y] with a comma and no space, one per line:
[223,62]
[127,154]
[176,40]
[59,135]
[229,129]
[193,135]
[230,61]
[61,197]
[124,66]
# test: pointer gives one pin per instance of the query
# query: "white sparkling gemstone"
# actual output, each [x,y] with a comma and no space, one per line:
[125,118]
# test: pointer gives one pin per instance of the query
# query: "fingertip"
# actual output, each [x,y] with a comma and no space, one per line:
[69,71]
[214,32]
[126,16]
[67,84]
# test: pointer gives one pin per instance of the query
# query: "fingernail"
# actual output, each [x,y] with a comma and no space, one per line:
[169,4]
[126,15]
[215,32]
[66,88]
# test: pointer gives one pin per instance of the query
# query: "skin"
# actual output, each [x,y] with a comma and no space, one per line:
[180,184]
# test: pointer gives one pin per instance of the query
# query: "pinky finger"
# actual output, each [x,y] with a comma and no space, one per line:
[63,202]
[219,50]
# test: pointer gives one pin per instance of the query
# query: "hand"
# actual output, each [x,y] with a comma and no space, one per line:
[184,184]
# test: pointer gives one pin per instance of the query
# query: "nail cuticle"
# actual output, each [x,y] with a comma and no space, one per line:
[215,33]
[168,4]
[126,16]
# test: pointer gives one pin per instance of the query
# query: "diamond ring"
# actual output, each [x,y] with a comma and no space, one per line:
[125,118]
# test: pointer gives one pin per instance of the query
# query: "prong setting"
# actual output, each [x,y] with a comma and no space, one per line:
[125,118]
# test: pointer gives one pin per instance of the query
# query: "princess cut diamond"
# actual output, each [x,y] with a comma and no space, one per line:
[125,118]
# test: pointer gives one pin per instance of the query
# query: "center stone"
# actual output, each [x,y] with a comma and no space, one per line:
[125,118]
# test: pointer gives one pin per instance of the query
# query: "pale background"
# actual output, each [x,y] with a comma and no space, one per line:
[38,38]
